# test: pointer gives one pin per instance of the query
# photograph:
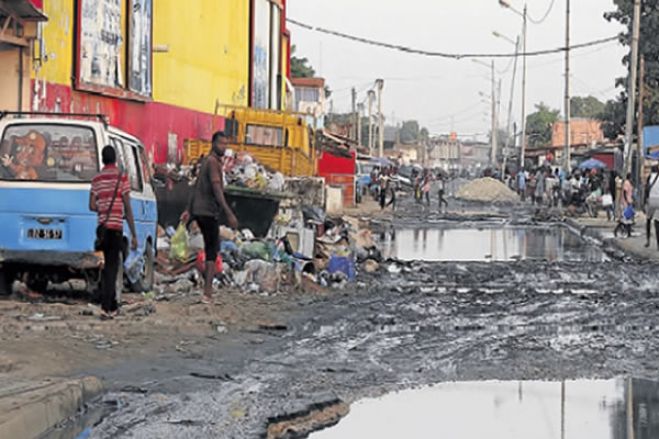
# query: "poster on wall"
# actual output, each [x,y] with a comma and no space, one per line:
[139,46]
[101,43]
[261,54]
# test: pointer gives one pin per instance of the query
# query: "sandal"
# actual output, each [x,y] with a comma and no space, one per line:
[206,300]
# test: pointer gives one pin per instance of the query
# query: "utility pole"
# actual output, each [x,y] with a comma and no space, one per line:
[380,86]
[523,121]
[371,98]
[360,110]
[631,87]
[640,154]
[568,133]
[354,113]
[493,134]
[511,136]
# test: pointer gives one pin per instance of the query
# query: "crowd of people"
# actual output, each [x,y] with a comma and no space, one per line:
[552,186]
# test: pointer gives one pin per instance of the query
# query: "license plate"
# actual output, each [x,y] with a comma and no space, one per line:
[49,234]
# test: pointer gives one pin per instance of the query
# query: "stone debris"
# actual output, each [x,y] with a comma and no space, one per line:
[487,190]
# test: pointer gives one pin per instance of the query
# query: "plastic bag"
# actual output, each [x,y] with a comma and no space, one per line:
[179,244]
[629,213]
[134,265]
[607,200]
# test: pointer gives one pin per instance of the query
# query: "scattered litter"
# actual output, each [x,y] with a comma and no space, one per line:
[221,377]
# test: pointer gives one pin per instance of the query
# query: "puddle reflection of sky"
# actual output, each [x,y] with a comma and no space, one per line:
[489,244]
[508,410]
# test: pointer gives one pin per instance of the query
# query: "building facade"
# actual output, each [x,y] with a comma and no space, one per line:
[158,69]
[583,132]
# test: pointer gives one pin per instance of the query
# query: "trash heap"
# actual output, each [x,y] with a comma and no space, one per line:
[487,190]
[337,250]
[243,171]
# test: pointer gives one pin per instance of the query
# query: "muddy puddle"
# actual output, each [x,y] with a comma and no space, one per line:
[491,243]
[613,409]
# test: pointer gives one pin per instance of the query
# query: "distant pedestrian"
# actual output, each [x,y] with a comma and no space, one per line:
[110,199]
[521,184]
[441,191]
[425,186]
[208,207]
[539,186]
[652,205]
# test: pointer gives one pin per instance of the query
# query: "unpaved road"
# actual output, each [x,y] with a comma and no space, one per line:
[431,322]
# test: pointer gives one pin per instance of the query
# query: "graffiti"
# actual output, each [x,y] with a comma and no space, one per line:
[101,43]
[139,46]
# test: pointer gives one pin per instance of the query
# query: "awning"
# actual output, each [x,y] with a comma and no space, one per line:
[23,9]
[14,14]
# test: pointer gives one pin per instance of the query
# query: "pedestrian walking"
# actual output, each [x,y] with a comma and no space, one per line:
[441,191]
[208,207]
[521,184]
[425,186]
[110,199]
[651,205]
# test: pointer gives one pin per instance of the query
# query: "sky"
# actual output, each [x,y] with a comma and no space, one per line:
[443,94]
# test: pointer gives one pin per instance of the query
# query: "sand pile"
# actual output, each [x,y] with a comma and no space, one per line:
[487,190]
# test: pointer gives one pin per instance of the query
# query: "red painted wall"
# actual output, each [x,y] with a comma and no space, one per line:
[151,122]
[607,158]
[330,164]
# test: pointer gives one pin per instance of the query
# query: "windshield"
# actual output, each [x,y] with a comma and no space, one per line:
[365,168]
[49,153]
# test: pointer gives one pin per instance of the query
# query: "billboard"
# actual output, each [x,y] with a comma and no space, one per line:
[139,46]
[102,44]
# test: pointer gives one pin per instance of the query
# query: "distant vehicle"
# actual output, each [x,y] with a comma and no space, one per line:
[47,166]
[279,140]
[363,173]
[406,174]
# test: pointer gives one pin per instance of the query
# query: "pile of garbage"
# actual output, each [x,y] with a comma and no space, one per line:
[243,171]
[339,248]
[487,190]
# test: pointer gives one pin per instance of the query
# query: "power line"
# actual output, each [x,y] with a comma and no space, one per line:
[455,56]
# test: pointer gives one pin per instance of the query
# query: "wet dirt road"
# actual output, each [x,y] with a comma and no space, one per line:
[411,324]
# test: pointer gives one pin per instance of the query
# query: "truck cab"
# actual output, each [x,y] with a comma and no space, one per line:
[47,162]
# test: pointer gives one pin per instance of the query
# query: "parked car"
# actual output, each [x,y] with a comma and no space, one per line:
[407,173]
[48,162]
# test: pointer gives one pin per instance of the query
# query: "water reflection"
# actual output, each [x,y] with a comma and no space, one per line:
[614,409]
[489,244]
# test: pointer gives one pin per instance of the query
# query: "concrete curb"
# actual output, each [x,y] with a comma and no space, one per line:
[30,411]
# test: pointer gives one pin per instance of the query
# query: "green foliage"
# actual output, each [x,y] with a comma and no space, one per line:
[539,125]
[614,112]
[300,67]
[588,107]
[409,131]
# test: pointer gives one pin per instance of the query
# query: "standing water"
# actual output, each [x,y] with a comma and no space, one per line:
[508,410]
[490,244]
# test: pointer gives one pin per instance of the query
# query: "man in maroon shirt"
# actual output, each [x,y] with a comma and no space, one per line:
[209,207]
[112,184]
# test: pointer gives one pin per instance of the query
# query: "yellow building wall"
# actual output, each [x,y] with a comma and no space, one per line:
[207,58]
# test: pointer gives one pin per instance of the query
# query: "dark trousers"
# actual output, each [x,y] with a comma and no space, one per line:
[442,200]
[111,250]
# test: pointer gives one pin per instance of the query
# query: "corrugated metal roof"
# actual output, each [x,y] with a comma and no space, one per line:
[23,9]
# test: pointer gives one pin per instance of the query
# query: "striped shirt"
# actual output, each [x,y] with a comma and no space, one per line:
[103,187]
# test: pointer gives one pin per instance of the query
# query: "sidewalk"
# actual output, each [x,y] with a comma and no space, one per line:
[30,408]
[602,229]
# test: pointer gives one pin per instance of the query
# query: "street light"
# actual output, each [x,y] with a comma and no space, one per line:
[504,37]
[524,15]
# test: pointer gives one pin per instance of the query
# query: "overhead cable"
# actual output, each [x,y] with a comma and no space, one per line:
[455,56]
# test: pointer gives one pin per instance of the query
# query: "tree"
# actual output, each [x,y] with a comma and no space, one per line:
[409,131]
[649,50]
[539,125]
[589,107]
[613,118]
[300,67]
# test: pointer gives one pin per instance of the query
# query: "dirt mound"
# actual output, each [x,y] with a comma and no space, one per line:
[487,190]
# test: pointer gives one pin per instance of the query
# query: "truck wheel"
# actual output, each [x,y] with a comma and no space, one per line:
[36,283]
[6,281]
[145,282]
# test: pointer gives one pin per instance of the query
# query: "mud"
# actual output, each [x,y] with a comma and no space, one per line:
[411,324]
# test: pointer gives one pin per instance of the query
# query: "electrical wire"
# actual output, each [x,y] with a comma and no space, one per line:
[456,56]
